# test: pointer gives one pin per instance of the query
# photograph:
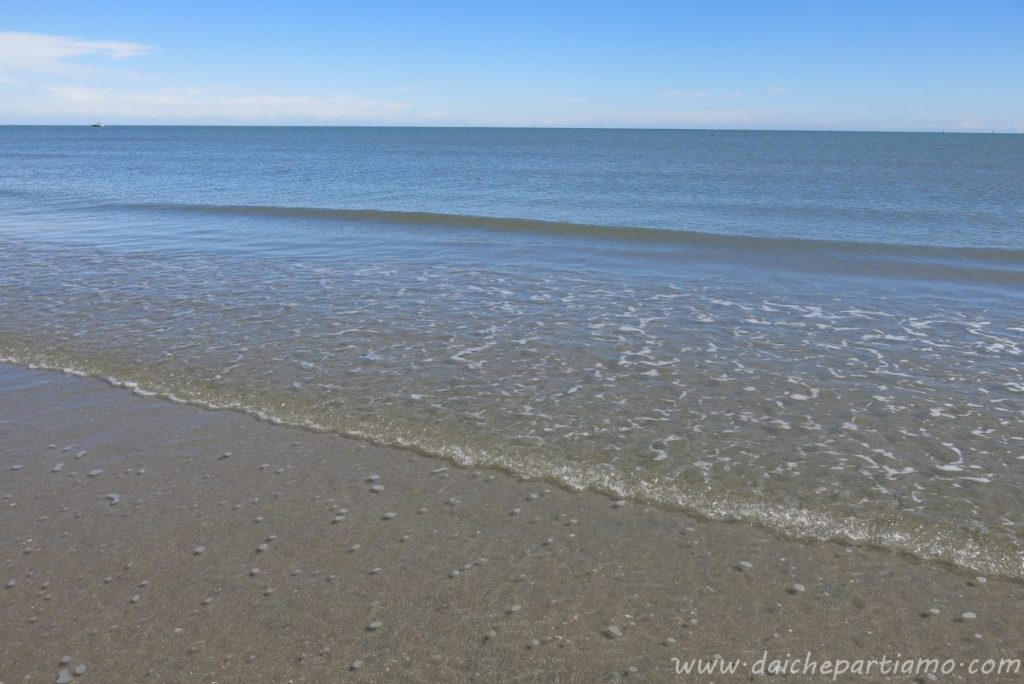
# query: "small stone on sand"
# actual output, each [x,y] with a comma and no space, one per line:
[135,599]
[515,609]
[198,550]
[262,547]
[356,665]
[389,516]
[80,670]
[114,499]
[375,625]
[63,677]
[94,473]
[618,504]
[613,631]
[968,616]
[65,660]
[377,488]
[373,478]
[797,588]
[57,468]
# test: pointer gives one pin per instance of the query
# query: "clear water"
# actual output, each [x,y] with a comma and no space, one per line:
[816,332]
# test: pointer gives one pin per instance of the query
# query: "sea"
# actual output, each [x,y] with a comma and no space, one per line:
[817,333]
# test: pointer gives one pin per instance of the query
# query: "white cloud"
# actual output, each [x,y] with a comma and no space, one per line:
[44,53]
[214,104]
[50,78]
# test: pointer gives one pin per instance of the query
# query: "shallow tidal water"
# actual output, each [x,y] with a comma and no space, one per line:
[819,333]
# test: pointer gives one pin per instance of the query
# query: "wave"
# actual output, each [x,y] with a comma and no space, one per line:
[983,265]
[959,547]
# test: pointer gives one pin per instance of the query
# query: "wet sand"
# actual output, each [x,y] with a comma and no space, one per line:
[151,541]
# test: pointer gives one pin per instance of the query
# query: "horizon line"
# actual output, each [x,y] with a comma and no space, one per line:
[513,127]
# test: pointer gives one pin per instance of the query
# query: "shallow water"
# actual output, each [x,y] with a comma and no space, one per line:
[816,332]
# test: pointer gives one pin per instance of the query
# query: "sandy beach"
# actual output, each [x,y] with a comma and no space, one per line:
[149,541]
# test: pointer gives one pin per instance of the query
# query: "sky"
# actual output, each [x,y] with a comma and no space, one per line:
[765,64]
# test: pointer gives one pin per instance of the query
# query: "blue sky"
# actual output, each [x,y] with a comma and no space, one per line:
[894,65]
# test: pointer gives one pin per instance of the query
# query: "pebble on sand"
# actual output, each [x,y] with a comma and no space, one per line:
[618,504]
[80,670]
[262,547]
[114,499]
[356,665]
[613,631]
[375,625]
[65,660]
[57,468]
[377,488]
[198,550]
[389,516]
[63,677]
[94,473]
[968,616]
[797,588]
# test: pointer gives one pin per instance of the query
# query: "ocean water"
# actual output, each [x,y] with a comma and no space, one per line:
[818,333]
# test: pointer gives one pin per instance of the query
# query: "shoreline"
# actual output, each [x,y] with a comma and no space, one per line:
[144,571]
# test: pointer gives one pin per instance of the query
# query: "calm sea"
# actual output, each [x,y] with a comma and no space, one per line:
[820,333]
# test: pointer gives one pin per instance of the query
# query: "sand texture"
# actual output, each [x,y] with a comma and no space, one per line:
[149,541]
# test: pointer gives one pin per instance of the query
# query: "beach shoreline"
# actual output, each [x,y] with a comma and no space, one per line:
[153,541]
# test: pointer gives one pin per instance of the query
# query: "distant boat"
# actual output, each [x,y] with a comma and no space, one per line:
[97,125]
